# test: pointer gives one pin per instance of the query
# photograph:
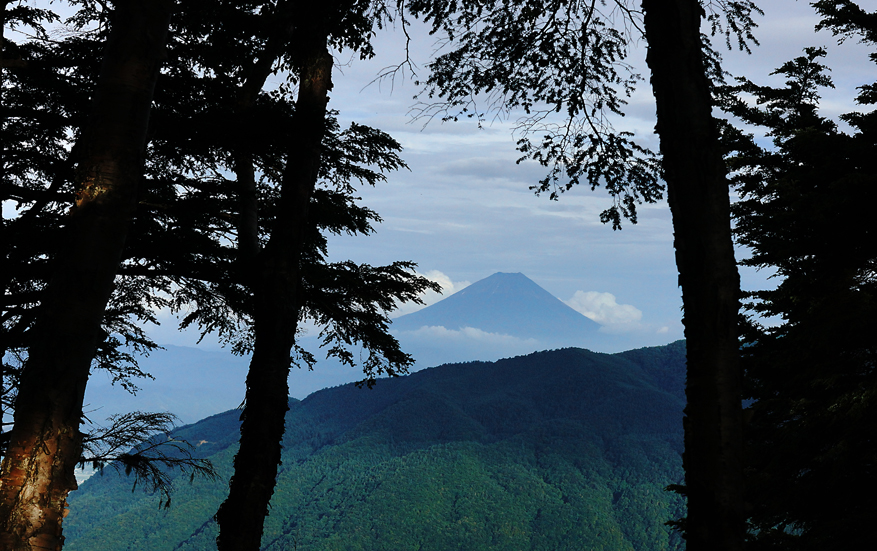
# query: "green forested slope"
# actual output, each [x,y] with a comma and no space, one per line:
[557,450]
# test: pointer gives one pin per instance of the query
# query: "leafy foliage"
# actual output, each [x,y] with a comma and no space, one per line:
[805,212]
[556,450]
[152,460]
[182,252]
[46,100]
[564,63]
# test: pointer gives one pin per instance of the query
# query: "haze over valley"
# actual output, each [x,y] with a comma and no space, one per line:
[503,315]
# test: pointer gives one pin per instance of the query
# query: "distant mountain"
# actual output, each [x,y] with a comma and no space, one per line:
[500,316]
[510,304]
[559,450]
[191,383]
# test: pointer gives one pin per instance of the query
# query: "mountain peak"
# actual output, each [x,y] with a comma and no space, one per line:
[506,303]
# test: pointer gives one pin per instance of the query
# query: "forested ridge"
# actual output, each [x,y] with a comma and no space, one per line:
[564,449]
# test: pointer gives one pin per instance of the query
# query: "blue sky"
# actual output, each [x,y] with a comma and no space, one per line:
[464,211]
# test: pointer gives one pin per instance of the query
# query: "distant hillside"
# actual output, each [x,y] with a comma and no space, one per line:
[509,304]
[214,378]
[515,315]
[558,450]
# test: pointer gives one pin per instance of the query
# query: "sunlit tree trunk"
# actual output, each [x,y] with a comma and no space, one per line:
[697,191]
[242,515]
[45,443]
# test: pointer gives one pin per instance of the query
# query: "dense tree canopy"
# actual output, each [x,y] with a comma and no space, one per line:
[568,449]
[183,251]
[805,213]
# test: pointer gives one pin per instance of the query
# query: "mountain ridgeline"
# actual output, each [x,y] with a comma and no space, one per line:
[558,450]
[505,314]
[508,304]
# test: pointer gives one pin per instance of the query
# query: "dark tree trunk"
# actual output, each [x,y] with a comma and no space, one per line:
[45,444]
[248,198]
[242,515]
[254,77]
[248,209]
[697,190]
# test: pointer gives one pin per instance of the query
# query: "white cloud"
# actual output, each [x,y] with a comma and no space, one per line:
[602,308]
[436,345]
[83,473]
[436,332]
[449,287]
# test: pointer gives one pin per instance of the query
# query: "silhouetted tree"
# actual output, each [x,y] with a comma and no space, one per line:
[45,442]
[186,209]
[697,190]
[48,85]
[568,57]
[805,209]
[277,269]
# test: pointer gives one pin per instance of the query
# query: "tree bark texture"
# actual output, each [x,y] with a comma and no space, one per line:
[45,445]
[697,191]
[241,516]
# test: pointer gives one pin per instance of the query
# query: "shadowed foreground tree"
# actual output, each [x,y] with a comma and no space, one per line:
[697,190]
[186,210]
[47,90]
[45,443]
[212,108]
[563,63]
[276,280]
[278,270]
[806,212]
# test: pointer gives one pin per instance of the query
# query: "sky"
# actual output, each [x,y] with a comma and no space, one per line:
[464,211]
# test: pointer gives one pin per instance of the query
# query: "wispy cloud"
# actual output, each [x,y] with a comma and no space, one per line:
[438,332]
[435,345]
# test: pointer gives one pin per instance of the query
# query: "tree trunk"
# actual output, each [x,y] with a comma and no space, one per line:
[248,210]
[248,198]
[254,78]
[242,515]
[697,191]
[37,473]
